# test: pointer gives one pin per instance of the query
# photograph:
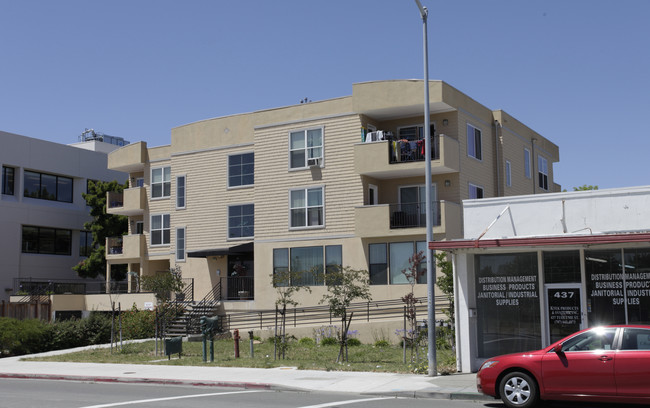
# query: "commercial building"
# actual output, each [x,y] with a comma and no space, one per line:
[534,269]
[42,211]
[334,182]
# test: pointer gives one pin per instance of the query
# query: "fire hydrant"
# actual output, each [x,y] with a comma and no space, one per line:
[236,337]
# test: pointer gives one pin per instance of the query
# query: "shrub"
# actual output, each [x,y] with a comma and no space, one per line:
[307,342]
[329,341]
[138,324]
[353,342]
[382,343]
[18,337]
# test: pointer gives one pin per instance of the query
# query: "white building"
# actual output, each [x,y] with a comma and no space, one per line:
[534,269]
[42,212]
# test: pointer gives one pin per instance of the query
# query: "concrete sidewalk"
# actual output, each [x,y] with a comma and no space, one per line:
[455,386]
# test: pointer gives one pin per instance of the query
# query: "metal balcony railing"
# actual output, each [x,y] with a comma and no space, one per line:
[404,151]
[413,215]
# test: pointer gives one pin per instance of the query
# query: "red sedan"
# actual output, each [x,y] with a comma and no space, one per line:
[601,364]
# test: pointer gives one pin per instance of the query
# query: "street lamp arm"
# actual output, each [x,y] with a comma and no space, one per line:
[423,10]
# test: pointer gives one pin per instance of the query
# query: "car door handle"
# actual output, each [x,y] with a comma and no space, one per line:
[605,358]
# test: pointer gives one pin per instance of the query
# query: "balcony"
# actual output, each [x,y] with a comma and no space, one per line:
[394,159]
[407,219]
[132,201]
[127,248]
[130,158]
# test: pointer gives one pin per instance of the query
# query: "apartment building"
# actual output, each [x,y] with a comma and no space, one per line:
[300,188]
[42,211]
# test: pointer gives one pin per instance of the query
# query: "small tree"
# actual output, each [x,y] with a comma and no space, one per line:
[446,284]
[344,285]
[102,226]
[410,301]
[163,284]
[284,282]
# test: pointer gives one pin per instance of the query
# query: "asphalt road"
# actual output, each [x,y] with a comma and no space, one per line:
[65,394]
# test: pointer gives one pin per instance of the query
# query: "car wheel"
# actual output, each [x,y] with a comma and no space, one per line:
[518,390]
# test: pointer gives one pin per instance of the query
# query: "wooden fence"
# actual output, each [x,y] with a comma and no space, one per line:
[27,310]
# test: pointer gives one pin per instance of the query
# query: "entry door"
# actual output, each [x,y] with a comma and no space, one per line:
[563,310]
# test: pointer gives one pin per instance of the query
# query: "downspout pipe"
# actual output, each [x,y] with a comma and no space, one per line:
[498,156]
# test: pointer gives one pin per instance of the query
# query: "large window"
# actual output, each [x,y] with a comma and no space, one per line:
[161,183]
[241,169]
[474,142]
[42,240]
[160,232]
[542,165]
[48,186]
[618,286]
[306,207]
[388,262]
[507,303]
[508,174]
[241,221]
[85,243]
[8,177]
[307,266]
[305,148]
[180,192]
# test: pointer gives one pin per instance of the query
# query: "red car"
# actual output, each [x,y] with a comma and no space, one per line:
[601,364]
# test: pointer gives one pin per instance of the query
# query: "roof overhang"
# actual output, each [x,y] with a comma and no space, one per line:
[234,250]
[598,239]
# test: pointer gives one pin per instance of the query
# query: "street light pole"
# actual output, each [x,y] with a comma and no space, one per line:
[431,269]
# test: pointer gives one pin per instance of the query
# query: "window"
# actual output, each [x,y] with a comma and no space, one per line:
[508,174]
[85,243]
[241,221]
[139,182]
[304,265]
[542,166]
[180,244]
[241,169]
[305,145]
[527,167]
[474,142]
[161,182]
[635,339]
[306,207]
[387,261]
[48,186]
[42,240]
[475,191]
[139,227]
[594,339]
[180,192]
[160,229]
[8,175]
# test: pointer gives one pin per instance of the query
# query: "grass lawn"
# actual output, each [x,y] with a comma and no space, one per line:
[303,356]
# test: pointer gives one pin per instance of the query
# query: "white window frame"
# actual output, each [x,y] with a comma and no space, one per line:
[308,151]
[474,147]
[242,237]
[508,174]
[527,167]
[228,165]
[162,183]
[542,171]
[476,188]
[181,244]
[181,193]
[307,207]
[162,230]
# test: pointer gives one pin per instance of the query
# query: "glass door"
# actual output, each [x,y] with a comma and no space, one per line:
[563,310]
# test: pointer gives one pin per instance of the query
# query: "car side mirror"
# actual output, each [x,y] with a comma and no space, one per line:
[558,349]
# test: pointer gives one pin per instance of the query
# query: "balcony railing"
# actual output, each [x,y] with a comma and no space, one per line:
[238,287]
[404,151]
[413,215]
[39,286]
[114,246]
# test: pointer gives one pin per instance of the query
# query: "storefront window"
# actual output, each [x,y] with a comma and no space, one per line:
[637,284]
[507,303]
[605,303]
[562,267]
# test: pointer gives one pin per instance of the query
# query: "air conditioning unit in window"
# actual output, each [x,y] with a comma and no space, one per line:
[314,162]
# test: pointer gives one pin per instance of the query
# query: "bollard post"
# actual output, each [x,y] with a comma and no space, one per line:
[250,334]
[236,338]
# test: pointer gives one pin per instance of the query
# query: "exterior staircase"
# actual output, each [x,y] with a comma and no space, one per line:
[188,323]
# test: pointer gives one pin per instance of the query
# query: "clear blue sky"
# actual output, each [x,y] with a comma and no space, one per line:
[578,71]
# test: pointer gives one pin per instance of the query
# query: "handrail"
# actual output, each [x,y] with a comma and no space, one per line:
[213,297]
[301,316]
